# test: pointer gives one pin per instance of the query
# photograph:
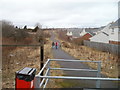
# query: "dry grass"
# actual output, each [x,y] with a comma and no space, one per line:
[16,58]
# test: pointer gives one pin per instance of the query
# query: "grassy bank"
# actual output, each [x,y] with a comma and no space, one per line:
[109,61]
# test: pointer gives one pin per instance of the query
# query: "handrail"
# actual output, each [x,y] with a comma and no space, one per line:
[44,78]
[86,78]
[47,75]
[70,69]
[68,60]
[43,67]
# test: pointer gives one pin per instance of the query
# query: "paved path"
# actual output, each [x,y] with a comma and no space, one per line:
[60,54]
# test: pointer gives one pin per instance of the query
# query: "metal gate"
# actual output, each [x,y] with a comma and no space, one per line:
[41,81]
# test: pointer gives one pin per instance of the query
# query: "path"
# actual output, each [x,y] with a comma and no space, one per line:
[60,54]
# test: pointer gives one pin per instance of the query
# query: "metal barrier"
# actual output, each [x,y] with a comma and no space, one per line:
[40,80]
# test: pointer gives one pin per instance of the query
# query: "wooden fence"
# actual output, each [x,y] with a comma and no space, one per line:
[106,47]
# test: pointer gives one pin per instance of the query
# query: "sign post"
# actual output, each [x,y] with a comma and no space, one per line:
[41,40]
[42,57]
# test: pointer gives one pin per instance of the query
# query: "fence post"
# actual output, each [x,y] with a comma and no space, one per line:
[37,82]
[49,67]
[98,75]
[41,58]
[47,80]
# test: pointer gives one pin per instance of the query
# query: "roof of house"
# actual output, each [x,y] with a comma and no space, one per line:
[76,34]
[106,29]
[116,24]
[86,36]
[103,33]
[90,31]
[75,31]
[93,30]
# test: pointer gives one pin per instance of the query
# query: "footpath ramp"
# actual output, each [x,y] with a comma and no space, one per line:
[60,54]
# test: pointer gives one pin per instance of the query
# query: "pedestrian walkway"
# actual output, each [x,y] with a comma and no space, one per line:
[60,54]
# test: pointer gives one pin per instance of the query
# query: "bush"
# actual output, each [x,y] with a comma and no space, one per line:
[8,29]
[25,27]
[20,35]
[47,35]
[35,29]
[78,41]
[62,35]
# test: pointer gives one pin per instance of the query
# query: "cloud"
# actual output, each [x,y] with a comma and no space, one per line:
[59,13]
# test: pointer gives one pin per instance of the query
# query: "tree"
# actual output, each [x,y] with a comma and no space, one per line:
[25,27]
[16,27]
[37,27]
[8,29]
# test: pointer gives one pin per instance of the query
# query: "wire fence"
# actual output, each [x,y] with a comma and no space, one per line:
[111,48]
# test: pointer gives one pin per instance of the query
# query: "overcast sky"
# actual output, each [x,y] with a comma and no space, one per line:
[59,13]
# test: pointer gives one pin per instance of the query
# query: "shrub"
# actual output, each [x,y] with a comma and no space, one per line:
[8,29]
[20,35]
[25,27]
[35,29]
[78,41]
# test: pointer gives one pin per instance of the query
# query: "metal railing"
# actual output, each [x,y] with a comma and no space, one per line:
[41,81]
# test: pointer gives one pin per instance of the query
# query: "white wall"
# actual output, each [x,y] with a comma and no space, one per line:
[100,38]
[83,33]
[69,33]
[114,36]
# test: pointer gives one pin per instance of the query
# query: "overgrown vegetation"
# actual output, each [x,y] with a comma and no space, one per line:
[62,35]
[17,57]
[12,35]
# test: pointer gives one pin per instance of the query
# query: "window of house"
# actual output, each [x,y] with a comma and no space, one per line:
[112,29]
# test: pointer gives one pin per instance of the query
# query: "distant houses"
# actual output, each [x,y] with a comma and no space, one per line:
[74,32]
[109,34]
[81,33]
[106,34]
[69,33]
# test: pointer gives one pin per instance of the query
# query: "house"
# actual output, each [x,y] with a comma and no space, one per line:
[87,36]
[69,33]
[102,36]
[83,32]
[79,32]
[92,31]
[115,33]
[74,32]
[80,40]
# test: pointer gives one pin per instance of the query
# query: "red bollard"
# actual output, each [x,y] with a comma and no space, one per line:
[25,78]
